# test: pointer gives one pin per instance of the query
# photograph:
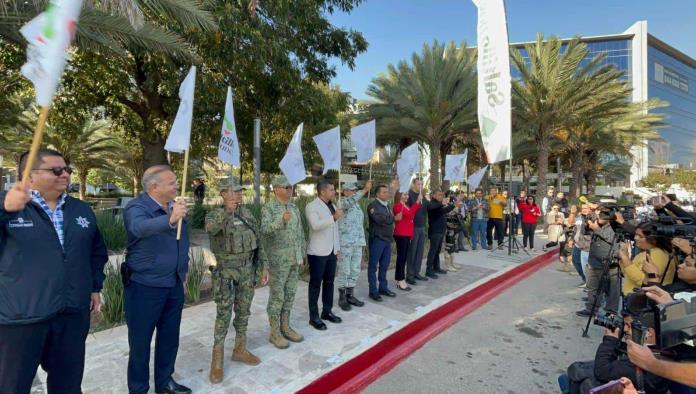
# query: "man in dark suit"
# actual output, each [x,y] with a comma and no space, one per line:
[381,233]
[438,207]
[158,264]
[52,260]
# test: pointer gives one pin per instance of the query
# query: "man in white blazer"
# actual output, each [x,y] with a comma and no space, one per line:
[322,253]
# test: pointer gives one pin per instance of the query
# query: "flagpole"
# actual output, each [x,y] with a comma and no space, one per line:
[183,190]
[35,143]
[370,178]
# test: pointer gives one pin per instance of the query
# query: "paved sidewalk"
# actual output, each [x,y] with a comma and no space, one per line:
[285,371]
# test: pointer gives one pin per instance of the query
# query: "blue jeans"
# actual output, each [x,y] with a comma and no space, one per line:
[577,262]
[380,253]
[478,233]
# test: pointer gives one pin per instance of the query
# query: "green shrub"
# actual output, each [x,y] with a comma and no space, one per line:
[112,294]
[112,230]
[198,216]
[194,279]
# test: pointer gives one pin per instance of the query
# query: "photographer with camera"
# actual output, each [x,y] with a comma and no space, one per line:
[683,373]
[602,252]
[652,265]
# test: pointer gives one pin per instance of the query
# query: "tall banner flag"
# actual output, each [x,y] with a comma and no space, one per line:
[292,163]
[228,149]
[475,178]
[407,166]
[49,36]
[455,167]
[494,87]
[363,136]
[329,145]
[180,135]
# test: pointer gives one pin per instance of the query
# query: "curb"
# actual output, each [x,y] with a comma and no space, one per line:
[356,374]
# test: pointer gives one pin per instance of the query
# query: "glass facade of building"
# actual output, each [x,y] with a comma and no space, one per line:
[673,81]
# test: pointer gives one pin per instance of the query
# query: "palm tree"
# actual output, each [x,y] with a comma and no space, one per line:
[430,100]
[86,150]
[556,91]
[116,25]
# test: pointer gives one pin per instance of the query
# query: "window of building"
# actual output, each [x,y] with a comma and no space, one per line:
[670,77]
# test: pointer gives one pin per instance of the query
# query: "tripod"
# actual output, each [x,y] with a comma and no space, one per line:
[604,280]
[513,245]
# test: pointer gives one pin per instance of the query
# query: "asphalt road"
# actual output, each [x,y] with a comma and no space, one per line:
[518,343]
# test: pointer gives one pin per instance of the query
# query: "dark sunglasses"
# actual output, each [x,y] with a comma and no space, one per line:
[288,187]
[57,171]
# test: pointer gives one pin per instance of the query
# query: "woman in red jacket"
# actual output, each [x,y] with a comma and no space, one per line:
[403,232]
[530,216]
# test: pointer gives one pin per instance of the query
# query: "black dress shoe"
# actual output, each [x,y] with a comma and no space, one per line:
[407,288]
[387,293]
[331,317]
[583,313]
[318,324]
[376,297]
[420,277]
[440,271]
[411,282]
[173,388]
[431,275]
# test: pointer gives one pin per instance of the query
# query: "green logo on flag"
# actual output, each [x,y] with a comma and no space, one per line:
[487,127]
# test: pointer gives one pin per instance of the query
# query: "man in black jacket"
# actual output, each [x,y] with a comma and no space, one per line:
[51,272]
[437,208]
[381,233]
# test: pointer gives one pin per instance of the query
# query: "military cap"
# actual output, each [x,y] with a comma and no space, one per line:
[280,180]
[350,186]
[230,183]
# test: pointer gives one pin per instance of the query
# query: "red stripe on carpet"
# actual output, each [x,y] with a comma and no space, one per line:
[357,373]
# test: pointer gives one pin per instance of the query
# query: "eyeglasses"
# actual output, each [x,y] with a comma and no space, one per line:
[57,171]
[288,187]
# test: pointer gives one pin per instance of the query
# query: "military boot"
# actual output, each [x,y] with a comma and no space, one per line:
[216,372]
[351,299]
[288,332]
[242,354]
[342,301]
[276,337]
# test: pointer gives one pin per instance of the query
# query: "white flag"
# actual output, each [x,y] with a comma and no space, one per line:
[475,178]
[412,153]
[292,163]
[364,139]
[228,150]
[49,36]
[455,167]
[407,166]
[494,88]
[180,135]
[329,145]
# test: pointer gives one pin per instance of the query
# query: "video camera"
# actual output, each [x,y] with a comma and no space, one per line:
[608,211]
[667,226]
[674,323]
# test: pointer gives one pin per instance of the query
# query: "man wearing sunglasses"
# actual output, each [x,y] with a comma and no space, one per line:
[154,291]
[284,244]
[52,260]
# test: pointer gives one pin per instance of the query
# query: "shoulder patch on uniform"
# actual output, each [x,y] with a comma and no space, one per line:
[372,210]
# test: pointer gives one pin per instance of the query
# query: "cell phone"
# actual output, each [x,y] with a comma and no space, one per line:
[671,196]
[613,387]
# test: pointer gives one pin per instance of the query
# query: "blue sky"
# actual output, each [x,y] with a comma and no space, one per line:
[395,29]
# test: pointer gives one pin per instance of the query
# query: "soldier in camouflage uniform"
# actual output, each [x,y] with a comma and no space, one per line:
[234,239]
[284,237]
[352,236]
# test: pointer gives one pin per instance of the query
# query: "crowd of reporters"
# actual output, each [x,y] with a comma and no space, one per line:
[633,261]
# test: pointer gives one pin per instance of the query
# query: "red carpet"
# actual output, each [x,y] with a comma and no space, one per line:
[356,374]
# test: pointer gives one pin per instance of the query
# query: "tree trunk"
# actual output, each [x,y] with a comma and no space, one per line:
[434,165]
[576,182]
[525,174]
[542,166]
[153,152]
[443,155]
[591,179]
[82,172]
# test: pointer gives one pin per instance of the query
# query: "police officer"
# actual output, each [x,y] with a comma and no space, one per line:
[284,237]
[352,236]
[234,239]
[51,272]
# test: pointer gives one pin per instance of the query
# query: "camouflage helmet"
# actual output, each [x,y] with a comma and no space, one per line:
[230,183]
[280,180]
